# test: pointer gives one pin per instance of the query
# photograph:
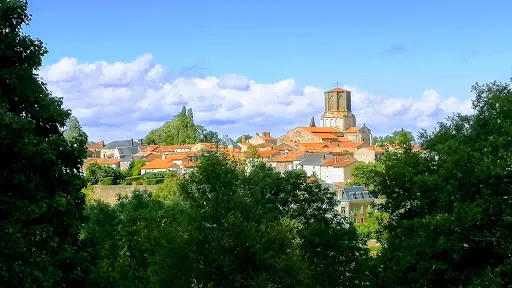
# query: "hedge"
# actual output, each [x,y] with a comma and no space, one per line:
[154,181]
[107,181]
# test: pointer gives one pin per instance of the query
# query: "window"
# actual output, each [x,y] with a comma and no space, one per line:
[362,220]
[343,210]
[362,209]
[354,211]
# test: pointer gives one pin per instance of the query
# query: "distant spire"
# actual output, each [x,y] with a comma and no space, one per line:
[312,123]
[337,84]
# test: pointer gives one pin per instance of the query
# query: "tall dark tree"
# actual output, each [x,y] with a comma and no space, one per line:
[41,200]
[190,114]
[450,207]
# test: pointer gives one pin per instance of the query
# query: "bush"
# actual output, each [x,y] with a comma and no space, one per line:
[154,181]
[127,182]
[133,178]
[154,175]
[138,182]
[107,181]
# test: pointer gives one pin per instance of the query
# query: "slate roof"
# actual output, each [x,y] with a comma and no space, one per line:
[127,151]
[229,142]
[355,193]
[313,159]
[130,158]
[121,143]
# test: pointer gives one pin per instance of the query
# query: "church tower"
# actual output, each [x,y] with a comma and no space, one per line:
[338,110]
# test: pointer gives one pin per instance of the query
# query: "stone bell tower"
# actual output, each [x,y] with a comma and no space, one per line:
[338,109]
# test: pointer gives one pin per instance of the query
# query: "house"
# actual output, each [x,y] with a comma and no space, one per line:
[328,167]
[109,150]
[285,162]
[337,169]
[159,165]
[355,202]
[368,154]
[122,152]
[266,155]
[311,162]
[187,167]
[94,149]
[148,156]
[312,135]
[114,163]
[264,146]
[264,138]
[169,162]
[125,161]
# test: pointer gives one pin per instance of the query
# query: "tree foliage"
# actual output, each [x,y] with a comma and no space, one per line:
[222,227]
[400,138]
[243,137]
[73,131]
[366,174]
[450,209]
[96,172]
[135,166]
[41,200]
[181,130]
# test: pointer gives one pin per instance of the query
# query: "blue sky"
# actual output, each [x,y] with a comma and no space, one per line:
[389,48]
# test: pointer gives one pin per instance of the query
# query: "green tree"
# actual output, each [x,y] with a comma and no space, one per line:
[220,226]
[41,201]
[97,172]
[181,130]
[450,217]
[73,131]
[251,152]
[373,227]
[135,166]
[400,138]
[366,174]
[138,242]
[241,138]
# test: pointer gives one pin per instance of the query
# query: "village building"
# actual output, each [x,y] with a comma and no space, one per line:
[263,138]
[337,123]
[355,203]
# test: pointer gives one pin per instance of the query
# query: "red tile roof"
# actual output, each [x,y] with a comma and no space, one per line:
[352,130]
[339,161]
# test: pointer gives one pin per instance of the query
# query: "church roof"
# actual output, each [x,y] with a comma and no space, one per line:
[322,129]
[337,90]
[353,129]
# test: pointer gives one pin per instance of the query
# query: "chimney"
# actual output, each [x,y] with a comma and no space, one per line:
[266,134]
[163,156]
[131,142]
[102,143]
[257,134]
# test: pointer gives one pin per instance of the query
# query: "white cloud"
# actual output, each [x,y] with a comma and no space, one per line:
[126,100]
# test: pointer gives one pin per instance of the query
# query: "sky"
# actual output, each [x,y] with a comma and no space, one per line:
[125,67]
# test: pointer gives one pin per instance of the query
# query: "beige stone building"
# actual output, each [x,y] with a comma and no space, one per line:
[368,154]
[338,123]
[263,138]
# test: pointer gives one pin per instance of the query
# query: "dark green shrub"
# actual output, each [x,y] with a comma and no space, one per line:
[107,181]
[154,181]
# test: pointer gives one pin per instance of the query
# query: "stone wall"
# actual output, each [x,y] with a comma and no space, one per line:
[108,193]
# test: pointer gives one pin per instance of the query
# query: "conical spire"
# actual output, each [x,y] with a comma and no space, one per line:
[312,123]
